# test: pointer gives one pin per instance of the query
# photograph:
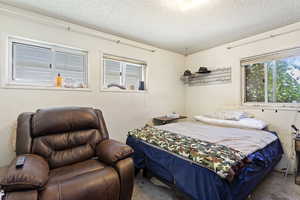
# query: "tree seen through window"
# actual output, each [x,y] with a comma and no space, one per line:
[282,84]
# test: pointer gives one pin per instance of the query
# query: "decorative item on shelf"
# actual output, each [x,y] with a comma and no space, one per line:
[68,83]
[131,87]
[142,85]
[208,77]
[187,73]
[117,86]
[203,70]
[82,85]
[77,85]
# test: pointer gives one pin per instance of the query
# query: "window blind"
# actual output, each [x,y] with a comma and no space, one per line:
[113,72]
[31,63]
[40,65]
[124,72]
[272,78]
[277,55]
[134,75]
[70,66]
[123,59]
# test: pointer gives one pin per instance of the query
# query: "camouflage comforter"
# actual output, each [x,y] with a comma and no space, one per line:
[220,159]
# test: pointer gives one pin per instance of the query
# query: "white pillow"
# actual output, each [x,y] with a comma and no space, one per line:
[228,115]
[250,123]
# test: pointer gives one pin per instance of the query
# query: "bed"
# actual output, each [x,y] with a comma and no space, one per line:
[203,180]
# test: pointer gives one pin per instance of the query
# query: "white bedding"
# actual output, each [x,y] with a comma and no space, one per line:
[244,140]
[229,115]
[242,123]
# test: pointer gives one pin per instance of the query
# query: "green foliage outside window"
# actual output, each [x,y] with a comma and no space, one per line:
[283,84]
[255,87]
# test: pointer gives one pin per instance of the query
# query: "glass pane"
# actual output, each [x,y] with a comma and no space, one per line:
[284,77]
[271,67]
[71,67]
[112,72]
[31,63]
[254,83]
[133,76]
[70,62]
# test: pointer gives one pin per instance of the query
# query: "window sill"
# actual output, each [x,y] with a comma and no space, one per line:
[284,107]
[29,87]
[123,91]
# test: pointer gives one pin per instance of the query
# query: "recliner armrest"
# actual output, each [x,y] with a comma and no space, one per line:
[33,175]
[110,151]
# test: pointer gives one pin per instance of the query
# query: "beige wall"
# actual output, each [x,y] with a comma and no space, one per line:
[122,111]
[201,99]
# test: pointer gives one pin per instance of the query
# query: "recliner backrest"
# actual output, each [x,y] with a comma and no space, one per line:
[62,136]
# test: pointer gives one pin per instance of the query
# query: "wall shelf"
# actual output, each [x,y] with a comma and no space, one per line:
[216,76]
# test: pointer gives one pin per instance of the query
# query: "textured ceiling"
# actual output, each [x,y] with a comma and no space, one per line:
[168,24]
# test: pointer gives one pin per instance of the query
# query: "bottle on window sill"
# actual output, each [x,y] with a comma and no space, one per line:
[58,81]
[142,85]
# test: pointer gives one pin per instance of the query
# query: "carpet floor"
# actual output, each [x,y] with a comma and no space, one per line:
[274,187]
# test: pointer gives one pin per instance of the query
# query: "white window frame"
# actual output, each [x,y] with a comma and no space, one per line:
[288,106]
[9,82]
[122,79]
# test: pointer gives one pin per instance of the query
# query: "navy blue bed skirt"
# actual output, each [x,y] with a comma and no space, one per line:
[200,183]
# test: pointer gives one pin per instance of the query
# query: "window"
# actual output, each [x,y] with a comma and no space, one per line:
[273,78]
[38,64]
[123,73]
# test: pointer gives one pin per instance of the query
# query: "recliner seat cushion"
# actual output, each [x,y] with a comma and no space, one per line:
[67,148]
[63,173]
[89,180]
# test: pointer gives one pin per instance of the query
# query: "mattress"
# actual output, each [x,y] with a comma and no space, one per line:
[246,141]
[200,183]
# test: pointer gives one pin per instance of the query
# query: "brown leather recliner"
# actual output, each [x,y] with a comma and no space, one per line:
[69,156]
